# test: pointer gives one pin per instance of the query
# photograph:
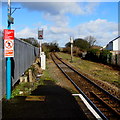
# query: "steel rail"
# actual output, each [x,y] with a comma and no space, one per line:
[110,95]
[88,100]
[107,105]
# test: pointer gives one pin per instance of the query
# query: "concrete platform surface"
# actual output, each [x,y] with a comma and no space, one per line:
[48,101]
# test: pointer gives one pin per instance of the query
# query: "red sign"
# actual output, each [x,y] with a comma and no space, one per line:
[8,43]
[8,34]
[40,34]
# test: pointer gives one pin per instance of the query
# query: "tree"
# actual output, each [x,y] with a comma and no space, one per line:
[67,44]
[93,54]
[31,41]
[51,46]
[104,56]
[91,40]
[80,43]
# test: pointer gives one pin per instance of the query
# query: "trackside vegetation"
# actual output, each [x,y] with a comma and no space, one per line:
[95,70]
[50,47]
[86,49]
[96,55]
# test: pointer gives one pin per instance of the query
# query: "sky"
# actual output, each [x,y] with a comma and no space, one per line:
[60,20]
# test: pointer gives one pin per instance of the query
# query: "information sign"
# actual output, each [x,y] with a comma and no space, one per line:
[8,43]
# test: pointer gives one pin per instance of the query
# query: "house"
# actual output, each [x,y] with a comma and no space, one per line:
[114,45]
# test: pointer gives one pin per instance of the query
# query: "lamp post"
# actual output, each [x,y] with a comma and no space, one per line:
[71,41]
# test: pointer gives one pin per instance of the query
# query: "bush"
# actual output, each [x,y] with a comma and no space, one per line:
[50,47]
[104,56]
[93,54]
[66,50]
[77,52]
[96,55]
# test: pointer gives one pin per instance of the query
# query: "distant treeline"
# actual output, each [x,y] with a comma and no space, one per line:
[31,41]
[86,49]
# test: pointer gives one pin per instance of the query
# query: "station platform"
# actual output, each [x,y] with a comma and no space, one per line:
[47,102]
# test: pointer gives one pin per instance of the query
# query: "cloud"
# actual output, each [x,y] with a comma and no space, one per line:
[90,7]
[59,30]
[57,20]
[103,30]
[55,12]
[24,33]
[55,8]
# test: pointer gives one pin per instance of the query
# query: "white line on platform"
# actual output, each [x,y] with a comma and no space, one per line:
[88,106]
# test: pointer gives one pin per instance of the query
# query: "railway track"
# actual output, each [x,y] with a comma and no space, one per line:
[105,104]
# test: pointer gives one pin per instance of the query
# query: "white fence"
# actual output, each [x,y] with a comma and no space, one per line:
[115,58]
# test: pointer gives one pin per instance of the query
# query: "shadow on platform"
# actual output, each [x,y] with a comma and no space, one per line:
[58,104]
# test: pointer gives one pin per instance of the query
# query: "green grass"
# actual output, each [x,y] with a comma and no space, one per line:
[46,75]
[95,70]
[25,88]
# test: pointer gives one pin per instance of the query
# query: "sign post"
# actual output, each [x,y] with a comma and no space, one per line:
[42,55]
[8,66]
[9,49]
[40,36]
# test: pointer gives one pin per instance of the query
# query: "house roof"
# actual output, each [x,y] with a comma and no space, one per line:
[115,39]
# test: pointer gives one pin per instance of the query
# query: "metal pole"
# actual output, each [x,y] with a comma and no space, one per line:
[71,52]
[71,41]
[40,47]
[8,69]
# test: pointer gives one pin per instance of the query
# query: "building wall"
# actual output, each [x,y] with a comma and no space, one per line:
[115,45]
[119,44]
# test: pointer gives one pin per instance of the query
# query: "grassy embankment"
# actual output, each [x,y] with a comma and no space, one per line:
[25,88]
[95,70]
